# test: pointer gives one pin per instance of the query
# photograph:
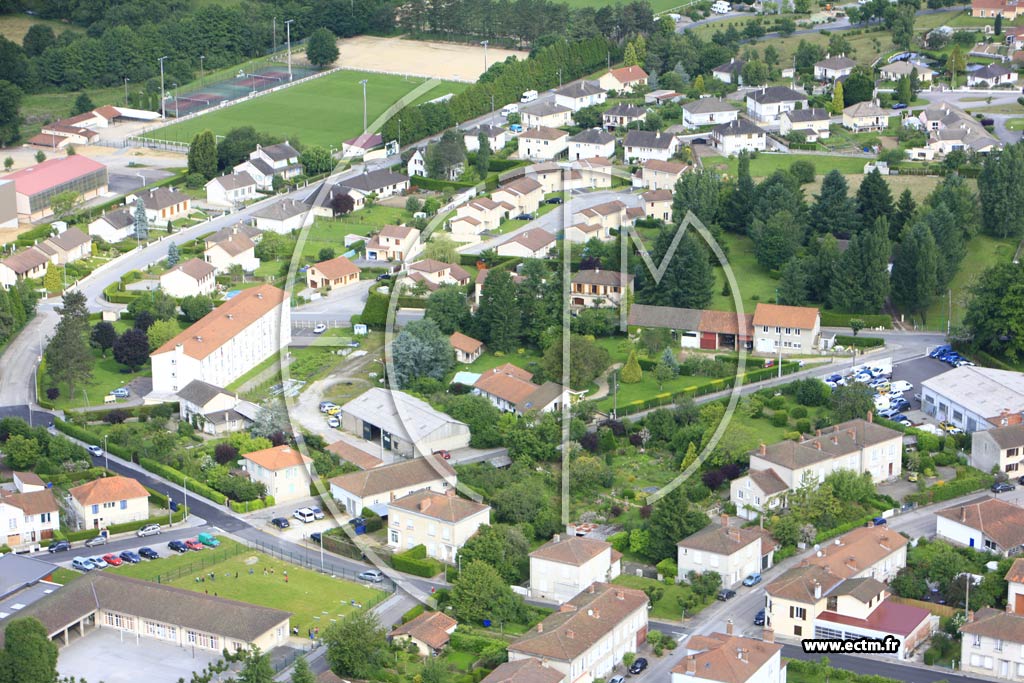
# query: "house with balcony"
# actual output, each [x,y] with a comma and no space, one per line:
[598,288]
[833,68]
[865,116]
[376,486]
[812,123]
[394,243]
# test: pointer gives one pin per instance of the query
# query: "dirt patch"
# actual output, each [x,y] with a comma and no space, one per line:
[448,61]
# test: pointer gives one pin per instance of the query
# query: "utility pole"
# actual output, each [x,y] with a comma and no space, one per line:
[126,79]
[615,394]
[175,87]
[274,49]
[485,43]
[363,83]
[163,105]
[288,27]
[949,312]
[780,353]
[559,78]
[400,132]
[202,71]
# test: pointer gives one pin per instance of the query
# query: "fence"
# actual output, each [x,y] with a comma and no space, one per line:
[207,558]
[938,610]
[311,559]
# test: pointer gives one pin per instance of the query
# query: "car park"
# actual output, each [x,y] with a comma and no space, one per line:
[96,540]
[317,512]
[333,422]
[320,328]
[58,546]
[113,560]
[280,522]
[1002,487]
[372,575]
[638,665]
[148,530]
[99,562]
[177,546]
[759,618]
[82,564]
[148,553]
[94,450]
[130,557]
[726,594]
[752,580]
[193,544]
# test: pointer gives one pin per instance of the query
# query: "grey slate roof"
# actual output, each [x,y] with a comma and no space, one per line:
[580,89]
[282,210]
[121,218]
[593,136]
[374,180]
[707,105]
[806,115]
[733,66]
[543,109]
[280,152]
[649,139]
[737,127]
[642,315]
[200,393]
[624,109]
[990,71]
[776,94]
[19,571]
[161,197]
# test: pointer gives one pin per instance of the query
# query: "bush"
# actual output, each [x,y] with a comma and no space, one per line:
[115,417]
[620,541]
[779,418]
[414,561]
[803,171]
[777,402]
[798,412]
[859,342]
[53,393]
[374,522]
[803,426]
[179,478]
[413,613]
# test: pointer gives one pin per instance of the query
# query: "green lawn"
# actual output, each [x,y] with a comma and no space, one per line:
[324,111]
[665,608]
[327,232]
[755,284]
[982,252]
[526,359]
[314,599]
[1015,124]
[765,164]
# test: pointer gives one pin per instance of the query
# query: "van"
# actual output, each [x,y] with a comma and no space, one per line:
[721,7]
[531,95]
[304,515]
[510,109]
[515,128]
[208,540]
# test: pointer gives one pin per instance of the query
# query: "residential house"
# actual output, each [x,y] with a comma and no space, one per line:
[27,264]
[114,226]
[189,278]
[731,551]
[374,488]
[67,246]
[897,70]
[1014,37]
[858,445]
[590,173]
[466,348]
[527,670]
[580,94]
[657,204]
[611,215]
[394,243]
[550,174]
[1015,587]
[162,204]
[29,514]
[708,111]
[332,274]
[231,190]
[622,115]
[213,410]
[442,522]
[770,102]
[725,330]
[990,9]
[103,502]
[655,174]
[974,399]
[417,165]
[230,247]
[644,145]
[627,78]
[383,183]
[682,323]
[992,644]
[991,76]
[361,144]
[737,136]
[786,329]
[533,243]
[581,233]
[728,658]
[564,567]
[428,631]
[662,96]
[730,72]
[523,195]
[36,186]
[874,552]
[809,601]
[545,115]
[397,422]
[542,143]
[865,116]
[588,144]
[598,288]
[833,68]
[480,214]
[950,128]
[986,523]
[285,472]
[433,274]
[266,162]
[587,637]
[813,123]
[1001,449]
[226,343]
[509,388]
[495,137]
[331,201]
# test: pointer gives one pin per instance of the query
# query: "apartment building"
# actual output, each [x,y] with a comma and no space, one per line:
[730,550]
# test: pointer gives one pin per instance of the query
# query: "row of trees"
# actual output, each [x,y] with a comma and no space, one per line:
[17,307]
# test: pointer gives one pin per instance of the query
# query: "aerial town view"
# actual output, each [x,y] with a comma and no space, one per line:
[511,341]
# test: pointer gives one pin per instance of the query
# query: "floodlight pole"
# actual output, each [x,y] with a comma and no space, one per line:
[175,85]
[202,71]
[163,105]
[126,79]
[363,83]
[288,29]
[485,43]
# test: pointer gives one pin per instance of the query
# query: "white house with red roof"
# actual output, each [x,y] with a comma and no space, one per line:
[109,500]
[626,78]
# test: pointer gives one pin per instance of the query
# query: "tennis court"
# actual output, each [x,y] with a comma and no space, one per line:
[243,84]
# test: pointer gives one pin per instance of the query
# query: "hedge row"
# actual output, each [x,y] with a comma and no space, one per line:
[825,535]
[127,526]
[66,478]
[89,437]
[859,342]
[439,185]
[151,410]
[836,319]
[114,296]
[988,360]
[475,644]
[412,301]
[415,562]
[252,505]
[413,613]
[960,486]
[179,478]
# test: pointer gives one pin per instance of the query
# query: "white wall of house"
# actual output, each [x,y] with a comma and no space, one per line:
[112,512]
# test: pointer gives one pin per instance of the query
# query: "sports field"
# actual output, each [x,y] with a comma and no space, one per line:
[324,111]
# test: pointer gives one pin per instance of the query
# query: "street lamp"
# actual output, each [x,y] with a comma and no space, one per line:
[175,87]
[363,83]
[106,457]
[485,43]
[202,71]
[163,102]
[126,79]
[399,133]
[559,78]
[288,28]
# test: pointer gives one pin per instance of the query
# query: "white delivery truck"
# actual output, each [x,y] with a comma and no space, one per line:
[509,109]
[528,96]
[721,7]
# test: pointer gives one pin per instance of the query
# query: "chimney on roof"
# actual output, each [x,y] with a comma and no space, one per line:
[817,590]
[620,594]
[762,449]
[768,634]
[450,492]
[851,562]
[569,633]
[590,588]
[728,627]
[199,339]
[963,514]
[691,665]
[835,438]
[970,616]
[557,538]
[871,416]
[540,627]
[424,504]
[817,432]
[725,521]
[566,607]
[596,614]
[817,445]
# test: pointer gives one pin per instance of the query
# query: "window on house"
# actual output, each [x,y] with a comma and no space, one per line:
[95,509]
[976,642]
[124,504]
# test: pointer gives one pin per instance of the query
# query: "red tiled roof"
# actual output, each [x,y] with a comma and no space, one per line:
[888,617]
[51,173]
[277,458]
[629,74]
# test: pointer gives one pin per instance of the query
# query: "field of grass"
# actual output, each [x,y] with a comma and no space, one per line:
[764,165]
[668,606]
[327,232]
[981,253]
[527,359]
[1015,124]
[14,26]
[314,599]
[755,284]
[324,111]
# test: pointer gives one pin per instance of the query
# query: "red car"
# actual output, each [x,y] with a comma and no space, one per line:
[443,454]
[193,544]
[113,560]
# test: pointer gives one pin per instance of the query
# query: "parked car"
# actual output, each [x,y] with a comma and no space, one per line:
[177,546]
[280,522]
[113,560]
[333,422]
[699,141]
[383,276]
[58,546]
[208,539]
[443,454]
[553,200]
[148,530]
[939,350]
[904,420]
[120,392]
[317,512]
[130,557]
[752,580]
[372,575]
[888,413]
[333,410]
[96,540]
[524,217]
[324,405]
[193,544]
[879,521]
[1021,480]
[148,553]
[320,328]
[759,618]
[960,363]
[515,128]
[82,564]
[617,679]
[94,450]
[638,665]
[726,594]
[304,515]
[899,105]
[99,563]
[901,385]
[1002,487]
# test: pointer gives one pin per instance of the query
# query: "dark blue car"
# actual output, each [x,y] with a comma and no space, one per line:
[177,546]
[130,557]
[939,350]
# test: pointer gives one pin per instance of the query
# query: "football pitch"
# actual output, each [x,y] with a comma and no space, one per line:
[324,111]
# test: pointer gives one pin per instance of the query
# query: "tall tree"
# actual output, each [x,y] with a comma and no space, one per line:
[873,199]
[202,155]
[316,160]
[356,645]
[445,154]
[483,156]
[833,209]
[480,593]
[902,215]
[37,39]
[103,336]
[777,239]
[172,255]
[736,214]
[132,348]
[301,672]
[83,104]
[688,280]
[995,318]
[860,284]
[448,308]
[914,269]
[421,350]
[1002,192]
[700,193]
[322,48]
[956,63]
[68,358]
[257,668]
[502,546]
[837,104]
[794,281]
[497,318]
[903,92]
[29,654]
[671,519]
[859,86]
[949,241]
[141,221]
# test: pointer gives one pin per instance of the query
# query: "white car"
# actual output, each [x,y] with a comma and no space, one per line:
[901,385]
[94,450]
[320,328]
[333,422]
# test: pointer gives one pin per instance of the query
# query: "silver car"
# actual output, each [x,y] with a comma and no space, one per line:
[149,530]
[372,575]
